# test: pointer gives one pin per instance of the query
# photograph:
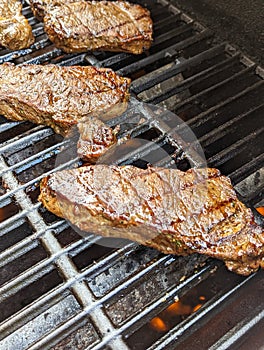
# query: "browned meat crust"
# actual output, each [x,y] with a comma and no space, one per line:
[39,7]
[99,25]
[58,96]
[172,211]
[95,139]
[15,31]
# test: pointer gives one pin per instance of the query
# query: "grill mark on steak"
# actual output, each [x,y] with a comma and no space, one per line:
[126,184]
[15,31]
[132,19]
[120,26]
[60,96]
[167,209]
[223,220]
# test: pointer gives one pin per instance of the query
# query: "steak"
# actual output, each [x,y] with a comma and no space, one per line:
[96,138]
[59,96]
[15,31]
[176,212]
[99,25]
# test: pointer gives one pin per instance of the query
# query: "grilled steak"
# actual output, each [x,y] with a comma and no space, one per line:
[59,96]
[99,25]
[95,139]
[15,31]
[173,211]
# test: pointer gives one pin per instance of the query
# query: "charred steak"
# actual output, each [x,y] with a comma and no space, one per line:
[15,31]
[99,25]
[59,96]
[173,211]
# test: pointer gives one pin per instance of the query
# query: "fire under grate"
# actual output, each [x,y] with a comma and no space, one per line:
[61,291]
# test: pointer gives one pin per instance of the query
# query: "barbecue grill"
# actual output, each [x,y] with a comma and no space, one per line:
[59,290]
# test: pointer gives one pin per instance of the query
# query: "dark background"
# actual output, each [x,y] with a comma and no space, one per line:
[240,22]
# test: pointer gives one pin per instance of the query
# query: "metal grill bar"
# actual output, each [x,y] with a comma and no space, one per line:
[214,87]
[116,332]
[236,333]
[26,244]
[24,140]
[37,179]
[148,310]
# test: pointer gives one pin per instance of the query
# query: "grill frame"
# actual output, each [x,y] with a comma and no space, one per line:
[74,286]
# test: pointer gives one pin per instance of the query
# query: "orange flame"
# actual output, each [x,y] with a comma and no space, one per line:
[260,210]
[158,324]
[178,308]
[197,307]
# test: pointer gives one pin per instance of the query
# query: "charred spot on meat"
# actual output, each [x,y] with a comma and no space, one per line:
[59,96]
[96,25]
[167,209]
[15,31]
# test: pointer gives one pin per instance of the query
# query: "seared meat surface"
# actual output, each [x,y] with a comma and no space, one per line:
[99,25]
[170,210]
[39,7]
[15,31]
[59,96]
[95,139]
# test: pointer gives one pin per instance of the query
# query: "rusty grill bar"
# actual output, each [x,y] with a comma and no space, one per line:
[58,289]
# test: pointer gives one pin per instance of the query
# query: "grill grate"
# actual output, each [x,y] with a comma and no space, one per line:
[59,290]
